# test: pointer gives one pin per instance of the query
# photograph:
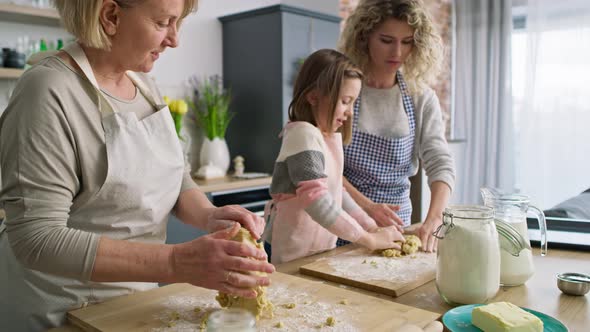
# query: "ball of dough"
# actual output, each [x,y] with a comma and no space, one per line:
[409,247]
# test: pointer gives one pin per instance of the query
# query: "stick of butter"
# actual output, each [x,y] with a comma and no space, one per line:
[505,317]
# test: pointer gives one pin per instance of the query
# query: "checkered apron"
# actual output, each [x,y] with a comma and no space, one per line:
[380,167]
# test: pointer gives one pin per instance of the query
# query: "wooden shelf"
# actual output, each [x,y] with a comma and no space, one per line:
[229,183]
[10,73]
[29,15]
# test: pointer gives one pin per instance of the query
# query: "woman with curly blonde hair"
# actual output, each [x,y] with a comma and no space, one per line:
[397,118]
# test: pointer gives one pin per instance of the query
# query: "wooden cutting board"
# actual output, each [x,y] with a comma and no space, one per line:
[185,305]
[363,269]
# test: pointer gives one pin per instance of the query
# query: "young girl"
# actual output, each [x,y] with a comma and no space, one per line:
[309,208]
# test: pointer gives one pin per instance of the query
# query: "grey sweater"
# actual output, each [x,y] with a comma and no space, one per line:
[53,159]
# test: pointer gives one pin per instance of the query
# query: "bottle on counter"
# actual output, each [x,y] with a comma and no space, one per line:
[42,45]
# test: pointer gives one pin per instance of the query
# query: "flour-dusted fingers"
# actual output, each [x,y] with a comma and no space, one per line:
[383,238]
[214,225]
[424,239]
[247,265]
[432,243]
[244,250]
[425,233]
[247,219]
[201,261]
[243,280]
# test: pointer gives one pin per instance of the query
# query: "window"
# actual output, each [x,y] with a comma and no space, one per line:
[551,107]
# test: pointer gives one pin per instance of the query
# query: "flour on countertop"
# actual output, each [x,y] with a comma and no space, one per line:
[308,314]
[362,265]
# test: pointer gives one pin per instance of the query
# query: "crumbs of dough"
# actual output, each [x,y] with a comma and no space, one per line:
[330,321]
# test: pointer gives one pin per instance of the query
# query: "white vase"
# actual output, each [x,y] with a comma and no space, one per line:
[215,152]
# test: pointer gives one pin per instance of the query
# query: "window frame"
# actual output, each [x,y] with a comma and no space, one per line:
[557,228]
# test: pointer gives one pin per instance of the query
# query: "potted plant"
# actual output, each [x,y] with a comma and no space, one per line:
[210,105]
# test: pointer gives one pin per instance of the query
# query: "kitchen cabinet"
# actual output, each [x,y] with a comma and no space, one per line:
[262,50]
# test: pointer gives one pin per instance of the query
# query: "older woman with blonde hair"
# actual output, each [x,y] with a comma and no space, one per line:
[397,118]
[91,169]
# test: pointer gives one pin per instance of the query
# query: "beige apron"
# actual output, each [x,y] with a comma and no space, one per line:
[294,233]
[145,168]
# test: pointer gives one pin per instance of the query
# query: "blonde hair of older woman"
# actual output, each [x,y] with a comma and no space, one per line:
[423,63]
[81,19]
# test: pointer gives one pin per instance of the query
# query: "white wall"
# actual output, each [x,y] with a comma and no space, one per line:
[200,45]
[200,49]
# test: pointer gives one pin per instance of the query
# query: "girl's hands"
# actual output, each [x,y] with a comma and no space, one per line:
[226,216]
[382,238]
[214,261]
[385,215]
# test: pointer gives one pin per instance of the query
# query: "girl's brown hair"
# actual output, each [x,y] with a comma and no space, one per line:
[324,70]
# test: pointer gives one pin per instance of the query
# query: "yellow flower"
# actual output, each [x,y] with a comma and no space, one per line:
[178,109]
[181,106]
[178,106]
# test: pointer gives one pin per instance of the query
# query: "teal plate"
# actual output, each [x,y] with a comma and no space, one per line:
[459,320]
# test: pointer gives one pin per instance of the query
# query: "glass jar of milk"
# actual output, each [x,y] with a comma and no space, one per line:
[516,267]
[468,255]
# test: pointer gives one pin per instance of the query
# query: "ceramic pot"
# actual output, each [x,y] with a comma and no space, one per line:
[215,152]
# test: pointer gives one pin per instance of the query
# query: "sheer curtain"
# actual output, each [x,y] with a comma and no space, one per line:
[551,60]
[482,97]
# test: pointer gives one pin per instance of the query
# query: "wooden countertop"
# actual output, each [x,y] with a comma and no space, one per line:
[229,183]
[540,293]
